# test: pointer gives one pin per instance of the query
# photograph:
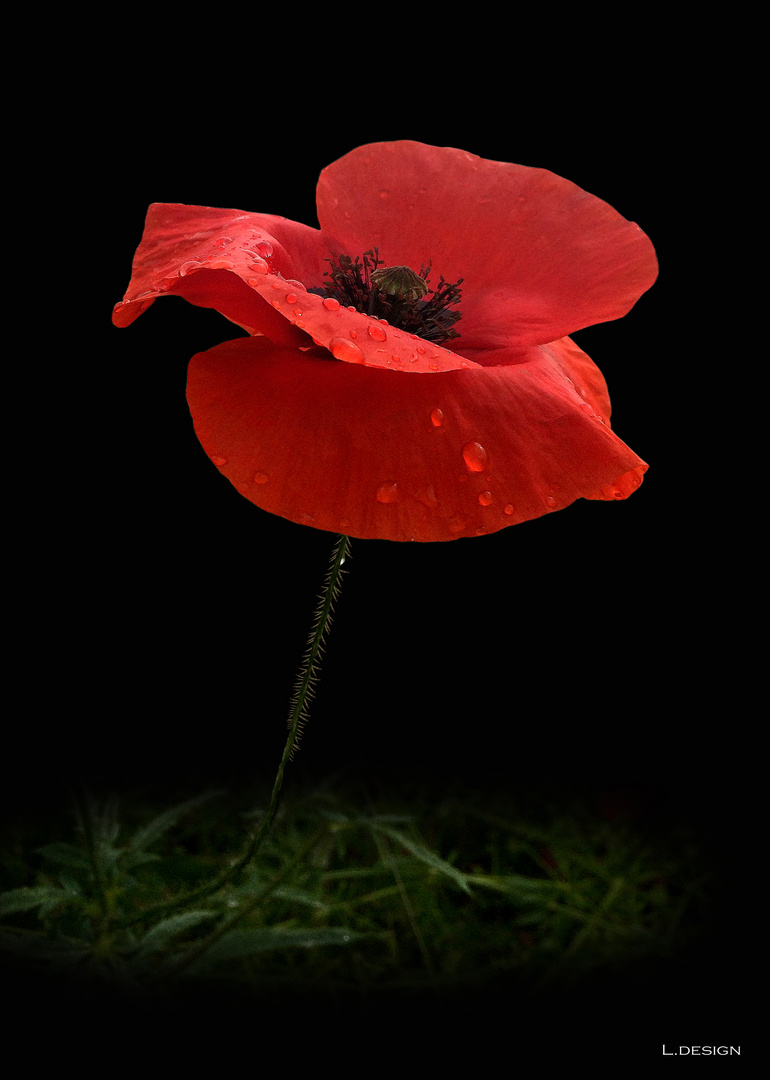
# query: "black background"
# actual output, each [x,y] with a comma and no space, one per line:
[580,653]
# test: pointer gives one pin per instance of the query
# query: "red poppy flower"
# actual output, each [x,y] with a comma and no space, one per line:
[408,374]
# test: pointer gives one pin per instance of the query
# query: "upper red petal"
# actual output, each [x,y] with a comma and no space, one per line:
[374,454]
[254,269]
[539,257]
[185,249]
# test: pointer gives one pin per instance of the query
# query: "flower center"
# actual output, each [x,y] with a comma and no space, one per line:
[394,293]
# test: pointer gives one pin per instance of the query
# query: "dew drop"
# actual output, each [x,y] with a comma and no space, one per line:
[220,264]
[427,497]
[384,193]
[475,456]
[342,349]
[218,460]
[508,509]
[485,498]
[376,332]
[260,267]
[550,500]
[261,478]
[223,241]
[291,298]
[331,304]
[265,249]
[387,493]
[437,417]
[189,267]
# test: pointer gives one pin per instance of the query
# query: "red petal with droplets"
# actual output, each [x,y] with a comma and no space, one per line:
[248,267]
[539,257]
[373,454]
[210,256]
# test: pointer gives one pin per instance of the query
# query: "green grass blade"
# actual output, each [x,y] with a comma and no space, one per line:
[425,855]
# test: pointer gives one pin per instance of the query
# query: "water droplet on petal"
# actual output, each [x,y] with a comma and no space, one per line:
[189,267]
[427,497]
[260,267]
[261,478]
[486,498]
[387,493]
[218,460]
[342,349]
[437,417]
[508,509]
[220,264]
[376,332]
[291,298]
[475,456]
[331,304]
[265,249]
[550,500]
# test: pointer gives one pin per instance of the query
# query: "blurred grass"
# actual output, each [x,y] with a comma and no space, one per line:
[352,893]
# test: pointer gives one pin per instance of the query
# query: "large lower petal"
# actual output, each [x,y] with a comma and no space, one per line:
[539,257]
[379,454]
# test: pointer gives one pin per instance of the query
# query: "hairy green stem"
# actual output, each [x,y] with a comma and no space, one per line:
[300,702]
[303,691]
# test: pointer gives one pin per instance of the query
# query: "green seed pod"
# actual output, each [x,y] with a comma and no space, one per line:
[400,281]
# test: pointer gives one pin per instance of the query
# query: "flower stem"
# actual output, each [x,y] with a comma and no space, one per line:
[303,692]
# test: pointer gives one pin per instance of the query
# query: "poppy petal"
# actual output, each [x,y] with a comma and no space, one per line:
[354,337]
[539,257]
[374,454]
[246,266]
[209,256]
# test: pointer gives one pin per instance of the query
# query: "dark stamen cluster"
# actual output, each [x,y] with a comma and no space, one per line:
[357,283]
